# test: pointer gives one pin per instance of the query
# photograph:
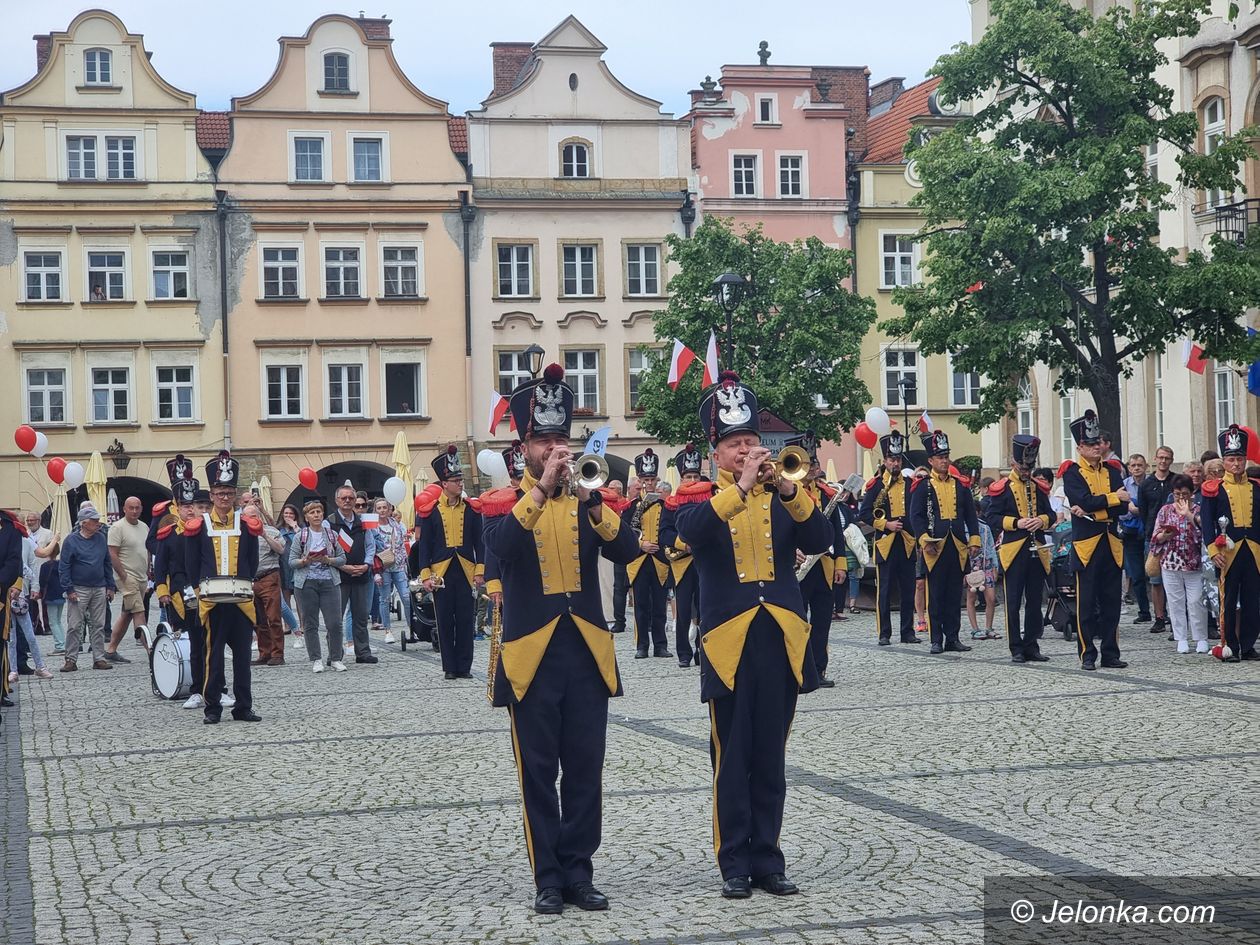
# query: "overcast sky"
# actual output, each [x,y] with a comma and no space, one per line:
[660,48]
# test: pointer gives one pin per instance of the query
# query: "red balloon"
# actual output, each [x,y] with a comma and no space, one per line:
[308,477]
[866,437]
[24,437]
[57,470]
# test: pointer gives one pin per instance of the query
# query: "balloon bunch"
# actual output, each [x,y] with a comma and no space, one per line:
[29,440]
[876,424]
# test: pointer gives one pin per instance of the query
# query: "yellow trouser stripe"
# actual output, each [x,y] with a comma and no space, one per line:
[520,779]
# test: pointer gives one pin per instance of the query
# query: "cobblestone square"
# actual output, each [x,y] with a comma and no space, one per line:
[380,806]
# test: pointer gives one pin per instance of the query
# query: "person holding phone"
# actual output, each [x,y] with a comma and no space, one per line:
[316,558]
[1178,541]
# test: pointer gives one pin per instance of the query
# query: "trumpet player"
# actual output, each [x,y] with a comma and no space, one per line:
[557,666]
[689,464]
[886,508]
[649,571]
[451,564]
[943,515]
[818,581]
[743,532]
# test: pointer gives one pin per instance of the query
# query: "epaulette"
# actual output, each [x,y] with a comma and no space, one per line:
[1064,467]
[474,504]
[617,503]
[1211,488]
[826,489]
[165,531]
[498,502]
[693,492]
[161,507]
[194,525]
[914,483]
[870,483]
[427,499]
[671,502]
[997,487]
[253,525]
[1043,486]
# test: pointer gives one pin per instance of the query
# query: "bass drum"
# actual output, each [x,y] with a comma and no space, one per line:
[423,620]
[170,664]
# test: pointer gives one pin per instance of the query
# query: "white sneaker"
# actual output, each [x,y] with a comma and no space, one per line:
[194,701]
[254,646]
[1183,646]
[228,700]
[317,666]
[338,666]
[1201,647]
[389,637]
[299,643]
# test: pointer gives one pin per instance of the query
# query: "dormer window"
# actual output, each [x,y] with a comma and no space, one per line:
[336,72]
[575,160]
[98,67]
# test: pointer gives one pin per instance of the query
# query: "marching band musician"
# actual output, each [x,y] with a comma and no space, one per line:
[817,586]
[943,515]
[1019,511]
[886,508]
[1094,490]
[223,544]
[743,532]
[690,465]
[1235,499]
[648,572]
[557,666]
[451,533]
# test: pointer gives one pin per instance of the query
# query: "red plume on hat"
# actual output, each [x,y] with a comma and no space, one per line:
[728,378]
[452,450]
[553,374]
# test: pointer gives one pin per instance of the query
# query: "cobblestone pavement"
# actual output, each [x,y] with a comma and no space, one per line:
[380,805]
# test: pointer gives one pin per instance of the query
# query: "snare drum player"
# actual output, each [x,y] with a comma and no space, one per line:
[222,544]
[557,667]
[743,532]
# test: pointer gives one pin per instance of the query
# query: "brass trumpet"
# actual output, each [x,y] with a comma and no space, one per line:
[791,464]
[589,471]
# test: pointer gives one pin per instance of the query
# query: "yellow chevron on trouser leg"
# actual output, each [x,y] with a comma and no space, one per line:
[520,780]
[717,766]
[1080,631]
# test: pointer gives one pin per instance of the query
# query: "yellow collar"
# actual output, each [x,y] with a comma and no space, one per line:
[941,477]
[215,520]
[1087,464]
[1234,479]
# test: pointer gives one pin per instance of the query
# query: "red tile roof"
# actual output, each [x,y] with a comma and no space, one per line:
[457,131]
[888,132]
[214,131]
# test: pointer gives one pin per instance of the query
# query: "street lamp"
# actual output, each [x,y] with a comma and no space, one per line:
[534,353]
[909,387]
[729,289]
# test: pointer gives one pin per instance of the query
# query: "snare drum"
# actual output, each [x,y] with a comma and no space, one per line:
[226,590]
[170,664]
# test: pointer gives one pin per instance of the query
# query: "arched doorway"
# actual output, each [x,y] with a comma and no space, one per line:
[364,476]
[149,493]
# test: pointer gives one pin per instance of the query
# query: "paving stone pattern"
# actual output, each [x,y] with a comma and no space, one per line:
[380,806]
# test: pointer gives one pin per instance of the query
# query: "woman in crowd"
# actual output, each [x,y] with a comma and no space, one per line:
[987,564]
[290,522]
[315,557]
[20,610]
[54,599]
[1177,542]
[391,552]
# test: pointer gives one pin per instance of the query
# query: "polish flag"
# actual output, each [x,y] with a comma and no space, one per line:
[370,520]
[1192,355]
[711,361]
[679,361]
[344,539]
[498,407]
[925,423]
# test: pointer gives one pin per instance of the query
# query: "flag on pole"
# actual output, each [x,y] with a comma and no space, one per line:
[344,539]
[711,361]
[679,361]
[598,441]
[498,407]
[370,521]
[1192,356]
[925,423]
[1253,372]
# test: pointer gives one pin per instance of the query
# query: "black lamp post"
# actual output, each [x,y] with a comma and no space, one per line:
[729,289]
[535,353]
[909,387]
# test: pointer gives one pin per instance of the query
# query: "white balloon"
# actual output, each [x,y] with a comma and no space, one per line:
[877,420]
[491,463]
[41,445]
[395,490]
[73,475]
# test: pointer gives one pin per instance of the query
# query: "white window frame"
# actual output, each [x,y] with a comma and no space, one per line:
[162,360]
[80,152]
[285,358]
[585,164]
[382,137]
[109,150]
[100,156]
[1214,129]
[171,271]
[642,265]
[1025,419]
[118,250]
[635,374]
[1151,157]
[898,254]
[342,246]
[1159,398]
[326,156]
[1067,413]
[417,356]
[383,249]
[515,377]
[972,390]
[1226,407]
[323,71]
[581,379]
[579,264]
[104,57]
[515,263]
[300,263]
[35,250]
[47,361]
[755,157]
[803,172]
[116,363]
[920,392]
[773,101]
[345,359]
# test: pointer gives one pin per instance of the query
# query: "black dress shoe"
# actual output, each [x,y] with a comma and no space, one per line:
[366,659]
[1251,654]
[448,675]
[6,702]
[684,664]
[936,648]
[1018,658]
[661,651]
[211,720]
[617,629]
[885,641]
[549,901]
[1114,664]
[777,885]
[913,640]
[1088,664]
[640,654]
[585,896]
[463,675]
[737,887]
[1142,618]
[250,716]
[1037,658]
[954,646]
[825,683]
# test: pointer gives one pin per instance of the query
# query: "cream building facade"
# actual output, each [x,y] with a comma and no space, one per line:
[345,270]
[110,320]
[578,180]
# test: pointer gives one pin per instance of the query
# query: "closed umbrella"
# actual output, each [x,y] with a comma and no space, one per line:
[112,512]
[831,471]
[264,494]
[94,481]
[671,476]
[402,469]
[59,521]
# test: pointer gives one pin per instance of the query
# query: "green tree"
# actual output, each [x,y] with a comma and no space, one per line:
[1042,224]
[797,333]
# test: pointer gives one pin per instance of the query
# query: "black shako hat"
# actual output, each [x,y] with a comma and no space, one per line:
[689,460]
[1233,441]
[894,444]
[936,443]
[514,460]
[446,465]
[728,407]
[543,405]
[1024,449]
[1085,429]
[223,470]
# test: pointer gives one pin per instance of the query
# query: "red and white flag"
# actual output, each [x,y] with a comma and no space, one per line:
[679,361]
[344,539]
[711,361]
[498,407]
[925,423]
[1192,355]
[370,520]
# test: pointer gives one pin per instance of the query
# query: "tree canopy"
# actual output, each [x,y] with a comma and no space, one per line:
[1042,219]
[797,334]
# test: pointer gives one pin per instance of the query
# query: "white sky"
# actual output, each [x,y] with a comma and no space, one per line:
[659,48]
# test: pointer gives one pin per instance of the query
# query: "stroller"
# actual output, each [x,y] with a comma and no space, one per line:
[1061,584]
[423,627]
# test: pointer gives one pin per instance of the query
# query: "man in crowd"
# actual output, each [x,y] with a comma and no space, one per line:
[886,508]
[621,580]
[87,574]
[557,666]
[1230,519]
[268,628]
[11,538]
[1151,495]
[756,655]
[648,572]
[129,556]
[1095,493]
[356,574]
[1132,533]
[817,583]
[41,539]
[689,464]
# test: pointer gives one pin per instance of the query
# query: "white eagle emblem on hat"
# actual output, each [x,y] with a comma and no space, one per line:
[548,405]
[225,470]
[1233,441]
[734,410]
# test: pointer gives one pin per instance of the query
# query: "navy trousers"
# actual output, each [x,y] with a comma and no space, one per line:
[228,628]
[687,599]
[1098,598]
[944,595]
[895,573]
[1240,604]
[1022,586]
[649,609]
[456,614]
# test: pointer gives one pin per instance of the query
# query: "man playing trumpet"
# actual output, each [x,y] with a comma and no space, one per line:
[649,572]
